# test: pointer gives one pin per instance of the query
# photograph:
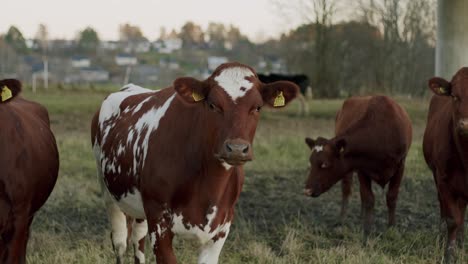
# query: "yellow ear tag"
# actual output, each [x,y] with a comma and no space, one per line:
[442,90]
[197,97]
[279,100]
[6,93]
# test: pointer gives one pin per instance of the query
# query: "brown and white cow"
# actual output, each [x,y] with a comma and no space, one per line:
[29,164]
[446,150]
[373,136]
[172,159]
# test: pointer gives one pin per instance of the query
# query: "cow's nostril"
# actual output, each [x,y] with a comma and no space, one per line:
[229,148]
[246,149]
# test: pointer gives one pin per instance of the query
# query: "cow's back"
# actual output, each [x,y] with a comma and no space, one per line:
[382,126]
[29,155]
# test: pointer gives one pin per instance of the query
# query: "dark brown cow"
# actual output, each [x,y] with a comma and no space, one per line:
[446,151]
[373,135]
[172,159]
[29,164]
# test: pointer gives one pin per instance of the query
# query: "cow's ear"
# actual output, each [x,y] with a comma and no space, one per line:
[9,88]
[440,86]
[191,89]
[310,142]
[340,146]
[279,94]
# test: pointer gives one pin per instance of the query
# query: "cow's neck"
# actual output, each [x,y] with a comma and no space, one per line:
[214,183]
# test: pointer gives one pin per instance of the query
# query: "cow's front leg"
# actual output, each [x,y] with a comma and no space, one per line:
[367,204]
[139,231]
[210,251]
[159,227]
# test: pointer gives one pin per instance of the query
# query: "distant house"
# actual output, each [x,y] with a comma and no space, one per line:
[169,45]
[145,74]
[126,60]
[215,61]
[88,75]
[169,63]
[140,46]
[110,45]
[80,62]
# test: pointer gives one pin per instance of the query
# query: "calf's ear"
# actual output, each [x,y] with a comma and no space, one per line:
[279,94]
[440,86]
[9,88]
[190,89]
[310,142]
[340,146]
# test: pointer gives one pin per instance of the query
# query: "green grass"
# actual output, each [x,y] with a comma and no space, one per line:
[274,222]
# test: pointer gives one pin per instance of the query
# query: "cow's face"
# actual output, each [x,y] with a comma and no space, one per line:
[326,165]
[232,98]
[458,90]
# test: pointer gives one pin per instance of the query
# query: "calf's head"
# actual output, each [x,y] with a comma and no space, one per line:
[327,165]
[457,89]
[232,98]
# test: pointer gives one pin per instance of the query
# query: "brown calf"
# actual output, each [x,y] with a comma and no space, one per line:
[172,159]
[446,151]
[29,164]
[373,135]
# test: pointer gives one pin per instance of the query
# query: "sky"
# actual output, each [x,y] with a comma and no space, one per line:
[258,19]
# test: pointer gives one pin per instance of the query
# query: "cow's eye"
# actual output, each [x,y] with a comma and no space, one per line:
[214,107]
[455,98]
[258,108]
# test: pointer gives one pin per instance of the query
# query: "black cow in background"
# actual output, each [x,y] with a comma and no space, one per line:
[300,79]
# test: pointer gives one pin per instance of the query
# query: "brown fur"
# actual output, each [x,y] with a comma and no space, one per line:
[29,164]
[373,136]
[446,151]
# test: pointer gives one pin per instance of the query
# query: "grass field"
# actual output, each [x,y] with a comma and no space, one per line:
[275,223]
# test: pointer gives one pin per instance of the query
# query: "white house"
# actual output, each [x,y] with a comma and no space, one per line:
[80,62]
[126,60]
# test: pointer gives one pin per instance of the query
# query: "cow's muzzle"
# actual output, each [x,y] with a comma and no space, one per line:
[311,192]
[462,127]
[235,152]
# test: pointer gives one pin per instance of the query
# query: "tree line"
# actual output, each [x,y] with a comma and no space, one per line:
[382,46]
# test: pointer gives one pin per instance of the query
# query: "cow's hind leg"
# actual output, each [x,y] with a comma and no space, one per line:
[346,188]
[139,231]
[19,239]
[210,251]
[392,193]
[119,231]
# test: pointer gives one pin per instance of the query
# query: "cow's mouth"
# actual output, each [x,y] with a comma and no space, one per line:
[311,193]
[233,161]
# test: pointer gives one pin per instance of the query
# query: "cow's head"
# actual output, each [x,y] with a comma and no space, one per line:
[232,98]
[9,88]
[458,90]
[327,164]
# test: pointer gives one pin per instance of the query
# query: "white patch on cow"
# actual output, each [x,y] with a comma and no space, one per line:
[226,165]
[318,148]
[120,150]
[111,105]
[139,231]
[153,240]
[202,233]
[149,122]
[119,228]
[132,204]
[233,81]
[210,251]
[140,105]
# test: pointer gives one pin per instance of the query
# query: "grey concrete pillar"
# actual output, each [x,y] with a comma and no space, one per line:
[452,37]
